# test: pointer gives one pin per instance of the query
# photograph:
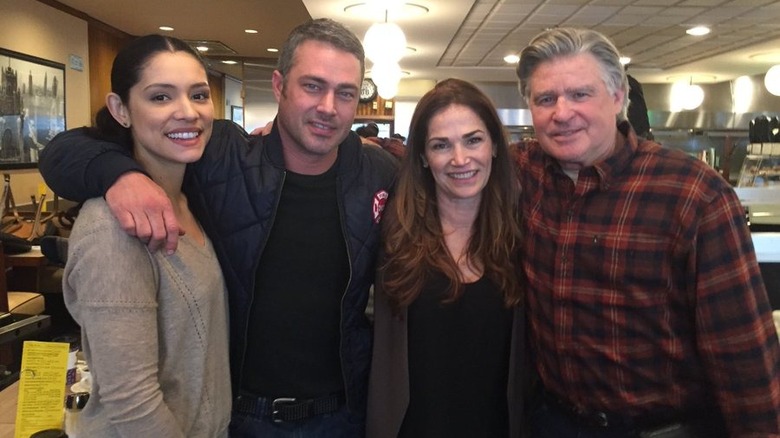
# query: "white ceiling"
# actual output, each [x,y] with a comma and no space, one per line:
[469,38]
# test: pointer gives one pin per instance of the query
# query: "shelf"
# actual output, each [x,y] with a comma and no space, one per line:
[365,118]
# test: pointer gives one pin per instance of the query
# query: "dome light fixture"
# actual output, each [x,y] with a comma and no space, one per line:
[772,80]
[685,95]
[384,41]
[386,75]
[512,59]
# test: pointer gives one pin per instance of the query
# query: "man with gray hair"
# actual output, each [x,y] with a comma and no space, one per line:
[648,315]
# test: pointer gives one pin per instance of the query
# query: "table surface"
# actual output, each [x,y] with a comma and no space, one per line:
[8,398]
[32,258]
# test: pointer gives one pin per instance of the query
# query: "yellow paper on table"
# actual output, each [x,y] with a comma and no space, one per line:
[41,387]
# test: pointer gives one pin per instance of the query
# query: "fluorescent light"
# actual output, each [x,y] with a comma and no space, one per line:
[166,28]
[272,50]
[229,62]
[250,31]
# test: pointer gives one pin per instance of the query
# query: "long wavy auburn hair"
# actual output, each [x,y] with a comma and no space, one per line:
[413,241]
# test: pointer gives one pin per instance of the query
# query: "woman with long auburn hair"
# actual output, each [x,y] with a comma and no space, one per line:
[448,326]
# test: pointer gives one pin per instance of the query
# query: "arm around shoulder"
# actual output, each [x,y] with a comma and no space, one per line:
[78,166]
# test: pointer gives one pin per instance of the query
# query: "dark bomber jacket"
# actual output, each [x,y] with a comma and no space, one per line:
[234,191]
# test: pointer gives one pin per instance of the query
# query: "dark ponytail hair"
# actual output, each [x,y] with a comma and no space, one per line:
[126,72]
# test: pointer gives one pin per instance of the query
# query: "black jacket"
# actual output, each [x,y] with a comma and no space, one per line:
[234,192]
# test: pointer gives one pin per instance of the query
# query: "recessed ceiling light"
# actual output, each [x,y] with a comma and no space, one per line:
[272,49]
[698,31]
[229,62]
[166,28]
[511,59]
[202,49]
[624,60]
[250,31]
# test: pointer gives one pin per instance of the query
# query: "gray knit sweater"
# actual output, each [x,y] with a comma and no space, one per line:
[154,332]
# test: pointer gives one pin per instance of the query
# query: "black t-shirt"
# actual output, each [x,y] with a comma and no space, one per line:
[294,334]
[458,363]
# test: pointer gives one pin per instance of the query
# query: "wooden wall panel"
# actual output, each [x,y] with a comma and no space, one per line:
[103,47]
[217,85]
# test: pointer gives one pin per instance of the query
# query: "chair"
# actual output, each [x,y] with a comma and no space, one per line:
[26,303]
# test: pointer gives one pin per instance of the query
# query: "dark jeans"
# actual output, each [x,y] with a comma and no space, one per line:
[339,424]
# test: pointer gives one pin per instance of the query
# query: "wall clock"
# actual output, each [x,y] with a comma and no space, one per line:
[367,90]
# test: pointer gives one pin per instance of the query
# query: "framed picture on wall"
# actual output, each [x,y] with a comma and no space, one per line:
[32,107]
[237,114]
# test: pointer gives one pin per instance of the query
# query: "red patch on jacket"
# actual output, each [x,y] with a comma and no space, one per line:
[380,199]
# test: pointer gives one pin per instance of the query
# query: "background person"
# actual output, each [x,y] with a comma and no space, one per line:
[646,307]
[448,284]
[154,328]
[295,218]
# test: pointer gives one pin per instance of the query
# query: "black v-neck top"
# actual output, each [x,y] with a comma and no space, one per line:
[458,362]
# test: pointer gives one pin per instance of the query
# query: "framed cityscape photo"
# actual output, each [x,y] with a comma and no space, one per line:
[32,107]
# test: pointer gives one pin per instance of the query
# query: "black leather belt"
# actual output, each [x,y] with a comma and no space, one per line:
[583,416]
[650,425]
[287,409]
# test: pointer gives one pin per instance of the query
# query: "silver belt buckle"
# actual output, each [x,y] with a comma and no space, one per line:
[279,403]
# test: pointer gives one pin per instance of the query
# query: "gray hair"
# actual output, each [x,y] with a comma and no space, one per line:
[562,42]
[323,30]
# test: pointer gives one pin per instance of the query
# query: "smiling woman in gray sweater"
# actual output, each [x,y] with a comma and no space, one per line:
[153,326]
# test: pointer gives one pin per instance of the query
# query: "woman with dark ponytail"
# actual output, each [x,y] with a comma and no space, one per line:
[153,326]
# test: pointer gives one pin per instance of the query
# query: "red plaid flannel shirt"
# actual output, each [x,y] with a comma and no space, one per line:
[644,293]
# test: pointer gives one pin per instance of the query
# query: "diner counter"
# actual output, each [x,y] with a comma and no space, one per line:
[767,245]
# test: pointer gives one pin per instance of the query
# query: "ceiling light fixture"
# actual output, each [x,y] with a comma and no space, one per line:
[384,41]
[202,49]
[698,30]
[229,62]
[742,94]
[166,28]
[512,59]
[385,45]
[272,50]
[625,60]
[250,30]
[379,8]
[386,75]
[772,80]
[772,57]
[686,96]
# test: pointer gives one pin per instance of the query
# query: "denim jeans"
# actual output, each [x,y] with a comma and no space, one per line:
[339,424]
